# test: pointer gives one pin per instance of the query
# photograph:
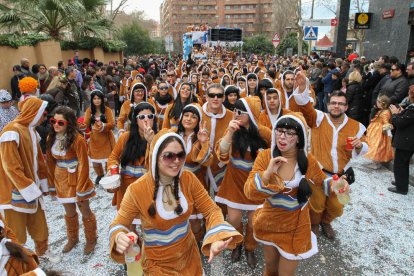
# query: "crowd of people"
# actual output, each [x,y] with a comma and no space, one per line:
[197,145]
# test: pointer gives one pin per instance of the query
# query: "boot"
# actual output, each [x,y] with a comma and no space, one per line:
[328,231]
[315,230]
[72,230]
[236,254]
[251,259]
[89,226]
[41,247]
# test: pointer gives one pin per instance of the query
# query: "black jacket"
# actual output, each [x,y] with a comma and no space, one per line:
[14,83]
[404,129]
[395,89]
[378,87]
[355,98]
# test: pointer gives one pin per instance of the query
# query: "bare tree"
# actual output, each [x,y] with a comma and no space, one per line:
[115,11]
[356,6]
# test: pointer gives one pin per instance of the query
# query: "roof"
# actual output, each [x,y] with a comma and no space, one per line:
[324,42]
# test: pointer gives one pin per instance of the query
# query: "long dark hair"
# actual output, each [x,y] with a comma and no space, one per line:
[101,108]
[181,129]
[304,191]
[178,210]
[16,250]
[178,106]
[71,128]
[255,92]
[245,138]
[136,145]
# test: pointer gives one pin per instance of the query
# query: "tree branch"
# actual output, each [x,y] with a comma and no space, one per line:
[115,12]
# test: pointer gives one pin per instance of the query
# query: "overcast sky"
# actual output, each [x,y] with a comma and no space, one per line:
[151,8]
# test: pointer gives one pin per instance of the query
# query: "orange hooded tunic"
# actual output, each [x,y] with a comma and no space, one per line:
[170,246]
[24,176]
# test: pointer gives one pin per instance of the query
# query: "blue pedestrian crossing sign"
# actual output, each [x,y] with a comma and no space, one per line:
[311,33]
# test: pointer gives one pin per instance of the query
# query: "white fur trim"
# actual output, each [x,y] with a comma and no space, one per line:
[31,192]
[136,221]
[234,205]
[39,272]
[9,136]
[19,209]
[168,215]
[246,105]
[291,256]
[65,200]
[43,185]
[334,149]
[39,113]
[197,216]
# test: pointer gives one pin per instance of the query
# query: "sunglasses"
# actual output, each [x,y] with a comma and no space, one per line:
[163,88]
[170,75]
[143,116]
[53,121]
[213,95]
[170,157]
[337,103]
[240,112]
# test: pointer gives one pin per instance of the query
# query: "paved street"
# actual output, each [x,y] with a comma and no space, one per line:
[375,236]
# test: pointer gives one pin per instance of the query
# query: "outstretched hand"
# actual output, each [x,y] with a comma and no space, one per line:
[217,247]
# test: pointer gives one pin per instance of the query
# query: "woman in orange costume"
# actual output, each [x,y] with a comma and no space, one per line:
[68,177]
[138,94]
[101,121]
[379,134]
[16,260]
[131,149]
[172,114]
[238,149]
[162,99]
[281,177]
[164,198]
[198,152]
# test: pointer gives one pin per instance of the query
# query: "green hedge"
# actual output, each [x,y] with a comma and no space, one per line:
[88,43]
[17,40]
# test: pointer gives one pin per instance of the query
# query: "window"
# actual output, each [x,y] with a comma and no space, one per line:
[236,7]
[228,16]
[235,16]
[184,8]
[194,7]
[227,7]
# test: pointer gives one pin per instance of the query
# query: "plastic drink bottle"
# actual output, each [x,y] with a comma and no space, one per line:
[132,259]
[338,187]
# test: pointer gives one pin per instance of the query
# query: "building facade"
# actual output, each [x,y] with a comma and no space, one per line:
[392,29]
[252,16]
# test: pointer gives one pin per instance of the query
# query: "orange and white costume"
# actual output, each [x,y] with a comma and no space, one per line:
[283,222]
[328,145]
[170,246]
[68,172]
[23,175]
[102,141]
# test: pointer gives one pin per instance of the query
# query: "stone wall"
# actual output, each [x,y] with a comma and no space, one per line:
[48,53]
[388,36]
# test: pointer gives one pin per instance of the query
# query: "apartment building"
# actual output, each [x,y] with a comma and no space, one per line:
[252,16]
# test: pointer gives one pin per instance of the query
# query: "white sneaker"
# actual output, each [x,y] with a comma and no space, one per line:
[51,256]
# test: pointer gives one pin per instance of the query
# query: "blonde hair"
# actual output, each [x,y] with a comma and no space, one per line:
[355,76]
[385,101]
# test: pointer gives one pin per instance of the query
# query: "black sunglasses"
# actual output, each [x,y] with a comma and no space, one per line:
[163,88]
[213,95]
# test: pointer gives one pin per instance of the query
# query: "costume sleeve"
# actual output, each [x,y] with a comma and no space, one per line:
[363,138]
[201,153]
[13,167]
[257,189]
[110,121]
[166,122]
[306,108]
[123,115]
[266,134]
[42,170]
[86,119]
[385,117]
[51,166]
[114,158]
[216,228]
[126,214]
[84,189]
[223,157]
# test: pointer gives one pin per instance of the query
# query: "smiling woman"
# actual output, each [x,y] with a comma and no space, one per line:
[164,198]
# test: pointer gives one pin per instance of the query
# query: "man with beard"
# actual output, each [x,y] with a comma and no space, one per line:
[329,132]
[286,86]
